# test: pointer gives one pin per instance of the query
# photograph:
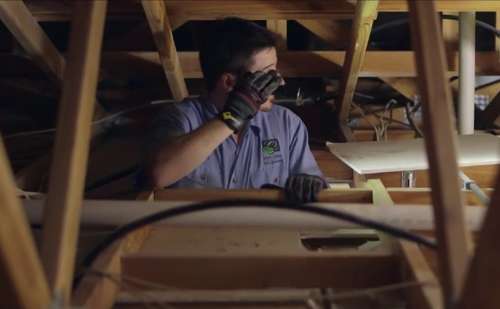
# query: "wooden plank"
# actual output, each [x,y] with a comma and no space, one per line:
[407,86]
[61,216]
[23,26]
[156,14]
[252,258]
[49,10]
[428,295]
[38,46]
[21,270]
[422,196]
[326,196]
[97,291]
[333,32]
[366,12]
[497,39]
[409,155]
[477,292]
[298,63]
[279,26]
[450,35]
[440,140]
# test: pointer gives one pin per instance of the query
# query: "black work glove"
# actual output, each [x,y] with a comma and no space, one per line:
[303,188]
[250,91]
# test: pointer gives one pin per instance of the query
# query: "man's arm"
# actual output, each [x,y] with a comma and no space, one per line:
[184,153]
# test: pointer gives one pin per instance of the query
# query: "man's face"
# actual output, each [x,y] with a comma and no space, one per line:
[265,60]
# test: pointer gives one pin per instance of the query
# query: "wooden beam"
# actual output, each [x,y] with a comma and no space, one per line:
[20,266]
[325,196]
[23,26]
[38,46]
[440,141]
[407,86]
[478,292]
[243,258]
[96,291]
[428,295]
[298,63]
[366,12]
[156,13]
[279,26]
[450,36]
[62,214]
[333,32]
[49,10]
[497,39]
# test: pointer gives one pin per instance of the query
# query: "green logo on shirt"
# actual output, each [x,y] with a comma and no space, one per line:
[270,146]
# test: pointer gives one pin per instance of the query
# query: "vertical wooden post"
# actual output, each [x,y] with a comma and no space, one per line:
[366,12]
[279,26]
[20,265]
[440,142]
[156,13]
[62,212]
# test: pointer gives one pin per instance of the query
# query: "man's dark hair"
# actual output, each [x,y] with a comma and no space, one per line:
[228,46]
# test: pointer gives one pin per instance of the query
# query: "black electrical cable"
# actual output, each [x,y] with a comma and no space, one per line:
[177,211]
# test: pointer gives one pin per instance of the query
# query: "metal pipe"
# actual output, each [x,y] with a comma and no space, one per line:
[470,184]
[466,72]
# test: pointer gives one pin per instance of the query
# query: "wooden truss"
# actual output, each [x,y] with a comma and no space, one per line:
[463,284]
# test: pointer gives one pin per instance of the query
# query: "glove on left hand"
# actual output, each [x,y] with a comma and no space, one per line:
[303,188]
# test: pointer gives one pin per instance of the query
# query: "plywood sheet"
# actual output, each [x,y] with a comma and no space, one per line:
[405,155]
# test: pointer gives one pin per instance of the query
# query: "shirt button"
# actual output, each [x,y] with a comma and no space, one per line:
[234,180]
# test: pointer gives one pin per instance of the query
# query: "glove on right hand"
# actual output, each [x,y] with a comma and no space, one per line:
[251,90]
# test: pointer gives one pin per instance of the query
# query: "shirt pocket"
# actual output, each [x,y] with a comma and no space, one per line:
[271,171]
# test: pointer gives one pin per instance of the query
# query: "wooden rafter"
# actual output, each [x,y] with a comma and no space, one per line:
[23,26]
[38,46]
[20,264]
[62,214]
[483,278]
[440,141]
[366,12]
[333,32]
[156,13]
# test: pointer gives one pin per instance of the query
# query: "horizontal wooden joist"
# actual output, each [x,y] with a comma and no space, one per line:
[183,10]
[317,63]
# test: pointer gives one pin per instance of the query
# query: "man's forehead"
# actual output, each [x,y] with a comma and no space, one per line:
[264,60]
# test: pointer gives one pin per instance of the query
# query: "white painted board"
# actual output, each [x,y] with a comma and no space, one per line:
[410,155]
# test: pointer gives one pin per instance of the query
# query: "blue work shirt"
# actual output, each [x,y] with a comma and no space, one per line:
[274,146]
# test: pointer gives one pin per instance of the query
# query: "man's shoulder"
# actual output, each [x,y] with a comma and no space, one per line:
[284,114]
[187,107]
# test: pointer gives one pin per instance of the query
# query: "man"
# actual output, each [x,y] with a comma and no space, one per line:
[235,137]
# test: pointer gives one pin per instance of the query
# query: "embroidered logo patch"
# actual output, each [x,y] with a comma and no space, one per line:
[270,146]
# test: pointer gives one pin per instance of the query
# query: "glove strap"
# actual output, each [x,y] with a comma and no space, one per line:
[231,121]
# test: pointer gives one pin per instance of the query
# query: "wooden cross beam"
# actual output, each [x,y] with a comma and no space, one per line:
[62,214]
[440,141]
[156,13]
[366,12]
[24,27]
[428,295]
[20,267]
